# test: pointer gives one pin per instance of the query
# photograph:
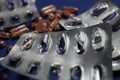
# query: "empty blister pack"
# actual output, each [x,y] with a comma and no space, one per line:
[116,48]
[16,12]
[102,11]
[79,54]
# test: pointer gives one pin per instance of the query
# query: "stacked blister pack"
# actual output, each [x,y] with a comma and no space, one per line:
[103,12]
[84,51]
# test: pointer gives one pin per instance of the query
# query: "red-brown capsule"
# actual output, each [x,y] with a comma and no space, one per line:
[27,44]
[17,32]
[55,24]
[67,14]
[58,14]
[51,16]
[57,27]
[48,9]
[70,9]
[4,35]
[2,44]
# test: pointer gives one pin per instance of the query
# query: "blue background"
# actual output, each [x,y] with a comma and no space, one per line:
[83,5]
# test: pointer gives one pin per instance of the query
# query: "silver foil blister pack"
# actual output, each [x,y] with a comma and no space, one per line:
[102,11]
[79,54]
[116,50]
[16,12]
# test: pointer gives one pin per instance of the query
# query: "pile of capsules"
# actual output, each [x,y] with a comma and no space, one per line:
[60,45]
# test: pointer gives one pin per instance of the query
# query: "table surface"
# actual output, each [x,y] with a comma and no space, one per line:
[83,5]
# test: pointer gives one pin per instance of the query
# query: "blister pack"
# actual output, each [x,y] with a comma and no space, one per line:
[116,52]
[16,12]
[79,54]
[102,11]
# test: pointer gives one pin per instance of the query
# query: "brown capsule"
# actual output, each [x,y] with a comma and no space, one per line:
[48,9]
[20,30]
[4,35]
[42,26]
[51,16]
[42,23]
[58,14]
[3,76]
[17,29]
[70,9]
[47,29]
[27,44]
[55,24]
[34,23]
[57,27]
[2,44]
[67,14]
[9,48]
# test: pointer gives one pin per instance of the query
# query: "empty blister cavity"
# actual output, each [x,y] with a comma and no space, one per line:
[29,15]
[98,11]
[54,72]
[116,27]
[24,2]
[15,62]
[62,44]
[34,68]
[110,17]
[44,44]
[10,4]
[81,40]
[75,73]
[15,19]
[1,22]
[98,73]
[98,39]
[116,59]
[101,8]
[27,43]
[73,23]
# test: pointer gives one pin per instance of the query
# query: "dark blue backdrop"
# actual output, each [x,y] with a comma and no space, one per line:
[83,5]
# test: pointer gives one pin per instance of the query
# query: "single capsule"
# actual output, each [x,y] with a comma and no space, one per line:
[27,44]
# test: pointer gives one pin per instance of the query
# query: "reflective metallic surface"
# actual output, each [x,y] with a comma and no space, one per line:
[16,12]
[54,65]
